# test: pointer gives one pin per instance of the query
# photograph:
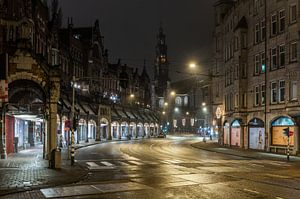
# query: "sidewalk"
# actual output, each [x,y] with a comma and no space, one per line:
[27,170]
[213,146]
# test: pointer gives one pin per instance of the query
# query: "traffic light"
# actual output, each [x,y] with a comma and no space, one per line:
[286,132]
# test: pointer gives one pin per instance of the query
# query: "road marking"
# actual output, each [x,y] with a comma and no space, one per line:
[94,166]
[82,190]
[251,191]
[135,162]
[123,163]
[107,164]
[279,198]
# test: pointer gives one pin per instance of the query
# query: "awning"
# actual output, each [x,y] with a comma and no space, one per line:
[89,109]
[114,114]
[121,113]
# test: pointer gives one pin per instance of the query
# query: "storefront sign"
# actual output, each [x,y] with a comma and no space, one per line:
[235,136]
[257,138]
[278,138]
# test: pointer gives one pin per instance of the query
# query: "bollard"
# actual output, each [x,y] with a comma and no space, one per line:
[72,148]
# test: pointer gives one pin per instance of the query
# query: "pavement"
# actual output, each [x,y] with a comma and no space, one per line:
[27,170]
[24,173]
[213,146]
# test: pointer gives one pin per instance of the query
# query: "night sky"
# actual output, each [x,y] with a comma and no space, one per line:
[130,27]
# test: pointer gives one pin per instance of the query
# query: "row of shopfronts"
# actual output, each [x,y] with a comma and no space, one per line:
[95,122]
[253,134]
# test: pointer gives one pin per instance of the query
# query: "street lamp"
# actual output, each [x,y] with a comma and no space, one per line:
[192,65]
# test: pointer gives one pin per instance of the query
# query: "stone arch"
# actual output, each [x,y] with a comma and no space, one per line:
[147,129]
[104,128]
[92,125]
[279,125]
[115,129]
[81,130]
[152,129]
[132,129]
[140,130]
[124,129]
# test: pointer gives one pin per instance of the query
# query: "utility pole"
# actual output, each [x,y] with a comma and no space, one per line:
[73,124]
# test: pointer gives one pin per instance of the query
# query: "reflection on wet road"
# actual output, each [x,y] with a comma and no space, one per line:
[171,168]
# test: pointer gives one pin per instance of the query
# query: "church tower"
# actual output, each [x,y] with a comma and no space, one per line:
[161,71]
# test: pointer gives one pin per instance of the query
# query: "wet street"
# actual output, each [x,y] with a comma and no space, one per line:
[172,168]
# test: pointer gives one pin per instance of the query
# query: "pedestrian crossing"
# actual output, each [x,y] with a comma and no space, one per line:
[131,162]
[113,164]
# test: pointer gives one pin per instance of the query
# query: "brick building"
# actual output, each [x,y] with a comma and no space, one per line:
[256,75]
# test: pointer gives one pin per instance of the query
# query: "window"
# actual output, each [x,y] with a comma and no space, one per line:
[237,72]
[236,43]
[281,20]
[293,51]
[263,30]
[257,33]
[244,70]
[257,64]
[256,96]
[274,58]
[244,40]
[273,92]
[186,101]
[236,101]
[245,100]
[281,56]
[263,62]
[274,24]
[263,94]
[293,13]
[281,90]
[178,101]
[293,90]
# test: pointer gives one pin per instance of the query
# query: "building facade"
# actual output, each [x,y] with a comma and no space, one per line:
[256,75]
[41,64]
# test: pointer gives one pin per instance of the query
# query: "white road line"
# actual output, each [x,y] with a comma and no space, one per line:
[107,164]
[279,198]
[92,164]
[251,191]
[123,163]
[135,162]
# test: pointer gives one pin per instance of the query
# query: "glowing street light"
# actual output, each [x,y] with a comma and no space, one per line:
[173,93]
[163,112]
[187,113]
[192,65]
[131,95]
[166,104]
[176,109]
[203,104]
